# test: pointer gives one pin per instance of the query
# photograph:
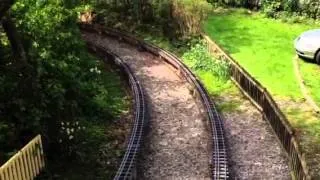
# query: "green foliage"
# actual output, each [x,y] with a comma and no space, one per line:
[292,10]
[291,5]
[237,3]
[97,153]
[311,8]
[174,18]
[65,84]
[189,14]
[199,59]
[271,7]
[306,8]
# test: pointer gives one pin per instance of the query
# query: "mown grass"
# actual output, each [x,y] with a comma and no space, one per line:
[311,76]
[218,87]
[264,47]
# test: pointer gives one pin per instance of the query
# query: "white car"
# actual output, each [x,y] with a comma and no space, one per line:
[307,45]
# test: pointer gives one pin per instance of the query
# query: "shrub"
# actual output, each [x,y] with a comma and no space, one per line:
[66,83]
[271,7]
[198,59]
[251,4]
[311,8]
[291,5]
[189,15]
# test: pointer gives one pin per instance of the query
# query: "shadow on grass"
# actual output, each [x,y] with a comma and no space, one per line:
[235,38]
[308,60]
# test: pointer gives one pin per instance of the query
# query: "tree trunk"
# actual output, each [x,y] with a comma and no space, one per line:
[5,6]
[17,47]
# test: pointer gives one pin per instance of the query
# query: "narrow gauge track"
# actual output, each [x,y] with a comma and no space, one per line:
[219,163]
[128,163]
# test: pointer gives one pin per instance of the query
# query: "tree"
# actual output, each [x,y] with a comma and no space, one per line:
[47,79]
[18,49]
[5,6]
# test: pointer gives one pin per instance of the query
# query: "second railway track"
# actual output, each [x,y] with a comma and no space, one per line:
[180,128]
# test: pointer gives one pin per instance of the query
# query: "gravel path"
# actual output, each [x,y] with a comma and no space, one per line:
[176,145]
[254,150]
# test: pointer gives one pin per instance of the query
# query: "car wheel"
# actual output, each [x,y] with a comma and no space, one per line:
[318,57]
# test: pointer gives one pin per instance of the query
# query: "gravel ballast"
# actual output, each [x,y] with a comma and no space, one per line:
[254,150]
[176,146]
[178,139]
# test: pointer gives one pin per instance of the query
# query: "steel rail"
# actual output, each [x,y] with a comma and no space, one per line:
[219,159]
[126,169]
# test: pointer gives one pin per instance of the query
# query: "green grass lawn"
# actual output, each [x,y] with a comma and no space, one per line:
[311,77]
[264,47]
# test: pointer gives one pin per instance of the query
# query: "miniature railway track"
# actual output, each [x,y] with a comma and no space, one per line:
[133,145]
[219,161]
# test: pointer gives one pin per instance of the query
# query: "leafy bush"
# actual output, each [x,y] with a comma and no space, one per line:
[65,83]
[291,5]
[292,10]
[238,3]
[199,59]
[271,7]
[304,8]
[189,14]
[176,18]
[311,8]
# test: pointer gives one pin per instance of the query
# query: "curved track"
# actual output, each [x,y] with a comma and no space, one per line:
[133,145]
[218,160]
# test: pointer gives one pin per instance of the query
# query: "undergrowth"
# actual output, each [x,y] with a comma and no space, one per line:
[198,59]
[100,144]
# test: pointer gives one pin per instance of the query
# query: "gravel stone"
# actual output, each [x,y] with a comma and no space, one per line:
[253,149]
[177,145]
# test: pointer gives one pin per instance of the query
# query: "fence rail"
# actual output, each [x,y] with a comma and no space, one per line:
[25,164]
[262,99]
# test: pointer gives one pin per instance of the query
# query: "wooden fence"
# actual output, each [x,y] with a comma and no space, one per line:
[25,164]
[261,98]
